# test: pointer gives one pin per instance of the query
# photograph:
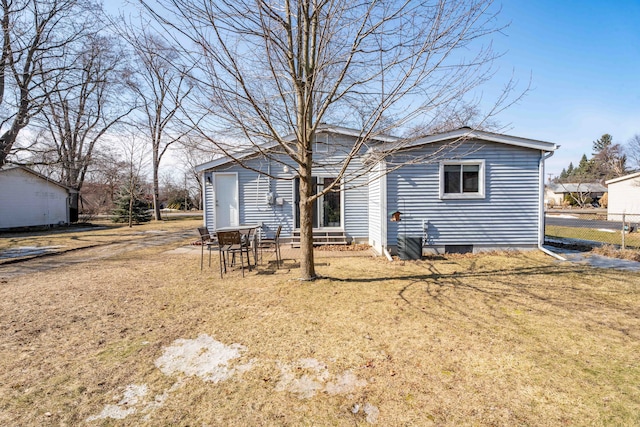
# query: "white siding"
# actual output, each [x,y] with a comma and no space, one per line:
[376,214]
[28,200]
[624,198]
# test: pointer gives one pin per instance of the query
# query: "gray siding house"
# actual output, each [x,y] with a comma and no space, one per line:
[459,191]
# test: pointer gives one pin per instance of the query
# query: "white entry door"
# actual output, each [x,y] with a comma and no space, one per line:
[227,211]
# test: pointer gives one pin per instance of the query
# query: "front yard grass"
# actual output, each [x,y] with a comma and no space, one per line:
[494,339]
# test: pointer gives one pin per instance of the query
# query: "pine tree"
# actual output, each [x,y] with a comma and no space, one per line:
[601,144]
[570,170]
[584,163]
[130,204]
[609,160]
[563,174]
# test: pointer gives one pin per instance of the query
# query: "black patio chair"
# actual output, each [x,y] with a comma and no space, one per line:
[272,245]
[231,243]
[208,240]
[248,237]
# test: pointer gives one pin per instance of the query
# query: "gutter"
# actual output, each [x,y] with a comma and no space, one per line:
[387,254]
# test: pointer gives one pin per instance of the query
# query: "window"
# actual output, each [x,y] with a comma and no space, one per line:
[321,144]
[327,209]
[462,179]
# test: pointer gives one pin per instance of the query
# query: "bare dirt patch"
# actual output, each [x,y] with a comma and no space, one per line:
[501,339]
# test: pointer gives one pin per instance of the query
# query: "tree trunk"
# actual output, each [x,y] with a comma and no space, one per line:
[156,185]
[131,204]
[307,265]
[6,142]
[156,205]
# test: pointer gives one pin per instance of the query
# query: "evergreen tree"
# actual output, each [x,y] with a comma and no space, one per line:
[569,171]
[563,174]
[603,143]
[130,204]
[608,161]
[584,165]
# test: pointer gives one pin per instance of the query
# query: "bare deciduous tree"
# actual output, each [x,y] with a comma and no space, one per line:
[195,152]
[276,70]
[80,114]
[106,175]
[608,159]
[36,34]
[161,85]
[456,117]
[632,148]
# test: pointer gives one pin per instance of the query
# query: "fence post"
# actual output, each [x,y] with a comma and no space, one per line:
[623,222]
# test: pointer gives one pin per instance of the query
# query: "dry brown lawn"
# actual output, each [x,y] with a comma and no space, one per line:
[495,339]
[84,236]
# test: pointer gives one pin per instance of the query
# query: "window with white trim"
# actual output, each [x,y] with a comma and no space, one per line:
[321,144]
[462,179]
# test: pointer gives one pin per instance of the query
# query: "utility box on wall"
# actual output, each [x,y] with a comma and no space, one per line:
[409,247]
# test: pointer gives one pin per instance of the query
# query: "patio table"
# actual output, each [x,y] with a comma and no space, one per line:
[248,235]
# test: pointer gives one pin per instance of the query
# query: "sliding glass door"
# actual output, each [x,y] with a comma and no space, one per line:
[327,209]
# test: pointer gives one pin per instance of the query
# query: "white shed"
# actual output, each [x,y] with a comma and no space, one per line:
[624,198]
[29,199]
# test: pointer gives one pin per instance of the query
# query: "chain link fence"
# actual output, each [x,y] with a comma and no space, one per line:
[588,228]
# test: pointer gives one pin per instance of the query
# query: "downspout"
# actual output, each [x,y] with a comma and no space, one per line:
[383,209]
[203,184]
[541,218]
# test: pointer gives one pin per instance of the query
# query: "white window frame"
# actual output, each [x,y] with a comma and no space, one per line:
[318,202]
[321,145]
[481,180]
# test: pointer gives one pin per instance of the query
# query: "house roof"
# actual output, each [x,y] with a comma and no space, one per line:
[623,178]
[582,187]
[390,141]
[9,167]
[468,133]
[322,128]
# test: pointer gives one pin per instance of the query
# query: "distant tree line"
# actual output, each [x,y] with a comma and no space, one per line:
[607,161]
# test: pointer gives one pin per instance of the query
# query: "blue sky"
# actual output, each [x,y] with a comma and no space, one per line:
[584,61]
[583,58]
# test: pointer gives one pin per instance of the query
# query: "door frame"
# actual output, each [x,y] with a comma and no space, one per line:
[319,204]
[236,217]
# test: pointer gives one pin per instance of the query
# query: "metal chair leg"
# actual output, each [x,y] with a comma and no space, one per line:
[222,262]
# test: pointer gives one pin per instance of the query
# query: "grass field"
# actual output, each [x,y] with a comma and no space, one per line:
[594,235]
[145,338]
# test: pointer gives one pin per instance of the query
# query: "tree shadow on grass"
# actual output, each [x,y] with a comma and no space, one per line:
[548,290]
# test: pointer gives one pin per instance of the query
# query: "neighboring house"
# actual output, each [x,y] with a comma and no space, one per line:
[483,192]
[624,198]
[555,194]
[29,199]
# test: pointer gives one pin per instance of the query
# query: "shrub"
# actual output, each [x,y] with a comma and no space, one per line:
[604,200]
[131,206]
